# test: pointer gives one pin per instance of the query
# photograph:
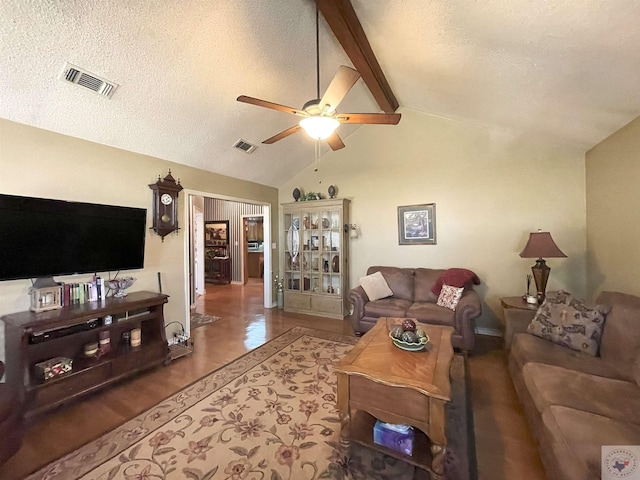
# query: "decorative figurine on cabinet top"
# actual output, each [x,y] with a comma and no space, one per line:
[165,205]
[331,191]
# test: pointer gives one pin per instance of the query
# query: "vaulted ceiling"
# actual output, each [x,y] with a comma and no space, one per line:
[563,71]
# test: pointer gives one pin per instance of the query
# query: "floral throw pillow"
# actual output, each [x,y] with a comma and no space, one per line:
[568,321]
[450,296]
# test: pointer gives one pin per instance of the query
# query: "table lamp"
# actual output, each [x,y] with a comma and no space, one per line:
[541,245]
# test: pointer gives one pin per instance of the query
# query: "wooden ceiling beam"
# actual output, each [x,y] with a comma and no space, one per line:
[345,25]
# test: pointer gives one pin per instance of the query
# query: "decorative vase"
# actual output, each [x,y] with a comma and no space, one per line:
[296,194]
[332,191]
[280,299]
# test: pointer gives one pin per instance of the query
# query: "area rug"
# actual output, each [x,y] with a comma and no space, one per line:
[270,414]
[200,319]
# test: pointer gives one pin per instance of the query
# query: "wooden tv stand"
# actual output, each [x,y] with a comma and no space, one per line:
[34,337]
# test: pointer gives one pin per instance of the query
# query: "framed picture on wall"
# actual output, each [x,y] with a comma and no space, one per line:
[417,224]
[216,233]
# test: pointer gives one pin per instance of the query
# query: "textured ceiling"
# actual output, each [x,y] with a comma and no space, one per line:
[562,71]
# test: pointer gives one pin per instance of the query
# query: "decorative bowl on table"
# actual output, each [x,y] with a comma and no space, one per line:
[119,285]
[408,336]
[410,346]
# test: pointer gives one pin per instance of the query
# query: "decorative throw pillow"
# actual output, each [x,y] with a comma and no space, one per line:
[568,321]
[449,296]
[375,286]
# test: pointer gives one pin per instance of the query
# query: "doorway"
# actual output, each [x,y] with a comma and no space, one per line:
[253,247]
[235,210]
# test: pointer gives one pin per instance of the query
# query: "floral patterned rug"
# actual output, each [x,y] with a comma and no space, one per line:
[270,414]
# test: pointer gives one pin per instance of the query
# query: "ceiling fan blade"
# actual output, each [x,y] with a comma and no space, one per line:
[370,118]
[271,105]
[281,135]
[335,142]
[342,82]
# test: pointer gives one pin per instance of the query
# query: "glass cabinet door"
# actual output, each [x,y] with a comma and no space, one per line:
[292,251]
[331,252]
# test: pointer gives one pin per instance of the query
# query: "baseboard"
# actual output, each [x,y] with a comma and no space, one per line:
[488,331]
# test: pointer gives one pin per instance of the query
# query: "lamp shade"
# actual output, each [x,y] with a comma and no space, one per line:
[541,245]
[319,127]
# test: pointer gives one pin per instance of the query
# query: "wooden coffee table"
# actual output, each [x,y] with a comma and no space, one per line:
[378,380]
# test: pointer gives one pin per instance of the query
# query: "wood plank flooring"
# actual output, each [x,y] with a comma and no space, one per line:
[505,448]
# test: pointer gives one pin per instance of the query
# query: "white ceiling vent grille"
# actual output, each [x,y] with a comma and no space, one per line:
[244,146]
[101,86]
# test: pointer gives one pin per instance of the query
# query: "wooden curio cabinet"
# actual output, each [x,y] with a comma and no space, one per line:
[316,248]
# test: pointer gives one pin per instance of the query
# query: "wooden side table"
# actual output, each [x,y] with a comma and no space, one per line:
[517,316]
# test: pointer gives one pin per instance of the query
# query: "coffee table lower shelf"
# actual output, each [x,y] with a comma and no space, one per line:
[361,431]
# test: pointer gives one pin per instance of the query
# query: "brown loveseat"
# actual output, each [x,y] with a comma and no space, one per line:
[575,402]
[413,297]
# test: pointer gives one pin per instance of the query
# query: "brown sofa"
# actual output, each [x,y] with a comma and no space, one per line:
[575,402]
[413,298]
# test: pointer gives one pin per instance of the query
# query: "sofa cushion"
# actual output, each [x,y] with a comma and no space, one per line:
[387,307]
[375,286]
[423,282]
[550,385]
[527,348]
[400,280]
[621,335]
[571,448]
[568,321]
[431,313]
[449,296]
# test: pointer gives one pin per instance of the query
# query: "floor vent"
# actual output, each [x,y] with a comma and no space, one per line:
[78,76]
[244,146]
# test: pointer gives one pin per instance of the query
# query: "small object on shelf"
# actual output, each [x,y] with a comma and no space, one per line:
[53,367]
[394,436]
[48,298]
[91,349]
[335,264]
[104,342]
[136,338]
[107,320]
[532,300]
[120,285]
[331,191]
[296,194]
[330,289]
[126,338]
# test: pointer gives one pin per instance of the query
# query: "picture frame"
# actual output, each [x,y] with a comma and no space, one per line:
[417,224]
[216,233]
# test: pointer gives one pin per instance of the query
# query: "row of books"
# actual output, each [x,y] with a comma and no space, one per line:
[78,293]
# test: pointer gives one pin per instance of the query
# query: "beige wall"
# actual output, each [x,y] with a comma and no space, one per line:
[490,189]
[613,223]
[40,163]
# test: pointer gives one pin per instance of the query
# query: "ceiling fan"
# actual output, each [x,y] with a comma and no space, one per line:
[320,118]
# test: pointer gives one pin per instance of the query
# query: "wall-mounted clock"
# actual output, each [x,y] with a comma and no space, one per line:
[165,205]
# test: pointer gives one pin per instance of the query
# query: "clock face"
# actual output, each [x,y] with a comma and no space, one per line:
[166,199]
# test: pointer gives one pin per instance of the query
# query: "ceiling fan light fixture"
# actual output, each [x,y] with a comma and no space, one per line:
[319,127]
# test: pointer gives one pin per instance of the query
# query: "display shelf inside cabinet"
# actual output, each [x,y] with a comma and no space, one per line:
[32,338]
[315,257]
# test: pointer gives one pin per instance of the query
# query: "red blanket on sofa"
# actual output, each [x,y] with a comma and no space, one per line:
[455,277]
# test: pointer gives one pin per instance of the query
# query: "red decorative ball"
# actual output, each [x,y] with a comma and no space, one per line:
[408,325]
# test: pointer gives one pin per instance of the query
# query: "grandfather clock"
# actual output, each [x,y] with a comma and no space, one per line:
[165,205]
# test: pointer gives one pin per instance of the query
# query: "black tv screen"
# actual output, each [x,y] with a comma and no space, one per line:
[41,237]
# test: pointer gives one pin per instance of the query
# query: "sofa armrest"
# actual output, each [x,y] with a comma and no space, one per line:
[516,320]
[468,309]
[357,299]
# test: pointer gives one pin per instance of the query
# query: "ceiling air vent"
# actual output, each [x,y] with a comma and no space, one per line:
[244,146]
[81,77]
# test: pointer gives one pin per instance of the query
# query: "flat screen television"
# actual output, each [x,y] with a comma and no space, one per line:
[42,237]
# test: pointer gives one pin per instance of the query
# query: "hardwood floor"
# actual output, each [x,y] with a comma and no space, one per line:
[505,448]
